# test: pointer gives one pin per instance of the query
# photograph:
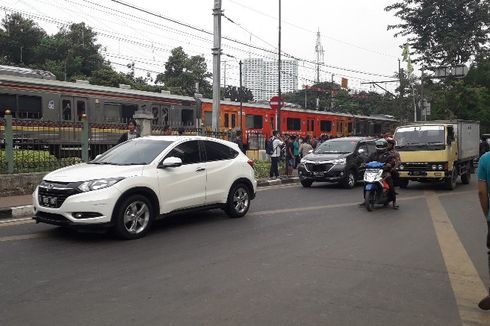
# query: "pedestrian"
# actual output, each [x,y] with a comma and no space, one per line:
[290,155]
[305,147]
[296,151]
[132,132]
[237,139]
[276,144]
[181,131]
[483,193]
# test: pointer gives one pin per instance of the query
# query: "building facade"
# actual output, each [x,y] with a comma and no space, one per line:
[260,76]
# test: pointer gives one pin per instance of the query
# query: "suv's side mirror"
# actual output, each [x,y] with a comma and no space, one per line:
[170,162]
[361,150]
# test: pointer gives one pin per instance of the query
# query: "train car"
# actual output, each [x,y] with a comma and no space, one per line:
[51,100]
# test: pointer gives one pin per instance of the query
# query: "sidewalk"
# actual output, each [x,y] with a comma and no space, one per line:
[17,206]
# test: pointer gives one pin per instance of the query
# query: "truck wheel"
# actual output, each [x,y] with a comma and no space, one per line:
[451,181]
[466,178]
[403,183]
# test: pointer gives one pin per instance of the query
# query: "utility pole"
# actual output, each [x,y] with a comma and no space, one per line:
[217,12]
[278,115]
[240,95]
[224,74]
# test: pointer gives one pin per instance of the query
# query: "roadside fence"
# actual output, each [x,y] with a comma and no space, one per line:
[31,145]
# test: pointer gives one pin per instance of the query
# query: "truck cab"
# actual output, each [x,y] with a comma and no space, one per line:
[437,151]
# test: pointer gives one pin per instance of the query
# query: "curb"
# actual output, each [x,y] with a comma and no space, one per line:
[26,210]
[18,211]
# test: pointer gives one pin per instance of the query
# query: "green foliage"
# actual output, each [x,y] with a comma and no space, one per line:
[262,169]
[232,92]
[444,32]
[183,72]
[20,39]
[35,161]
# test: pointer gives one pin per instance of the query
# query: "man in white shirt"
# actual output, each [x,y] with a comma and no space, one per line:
[276,154]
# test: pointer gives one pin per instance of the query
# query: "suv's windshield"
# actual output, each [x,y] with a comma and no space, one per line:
[336,146]
[133,152]
[420,135]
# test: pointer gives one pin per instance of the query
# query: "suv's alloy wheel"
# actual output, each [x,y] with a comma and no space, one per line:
[238,201]
[133,217]
[349,181]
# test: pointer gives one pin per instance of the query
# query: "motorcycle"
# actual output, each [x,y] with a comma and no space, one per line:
[375,186]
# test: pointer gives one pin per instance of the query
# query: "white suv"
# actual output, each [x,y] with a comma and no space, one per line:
[130,185]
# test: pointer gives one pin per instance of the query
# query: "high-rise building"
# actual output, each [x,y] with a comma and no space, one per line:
[260,76]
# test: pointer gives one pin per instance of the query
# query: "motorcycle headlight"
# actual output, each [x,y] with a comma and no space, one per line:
[434,167]
[98,184]
[339,161]
[401,167]
[440,167]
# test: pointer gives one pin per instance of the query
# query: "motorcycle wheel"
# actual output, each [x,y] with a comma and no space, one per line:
[369,200]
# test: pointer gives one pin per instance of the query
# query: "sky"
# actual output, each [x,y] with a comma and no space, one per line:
[354,33]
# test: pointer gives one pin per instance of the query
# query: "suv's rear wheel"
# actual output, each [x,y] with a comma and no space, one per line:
[238,201]
[133,217]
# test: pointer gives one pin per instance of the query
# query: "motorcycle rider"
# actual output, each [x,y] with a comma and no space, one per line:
[391,158]
[386,153]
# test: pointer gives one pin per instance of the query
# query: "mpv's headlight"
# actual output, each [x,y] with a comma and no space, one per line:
[340,161]
[98,184]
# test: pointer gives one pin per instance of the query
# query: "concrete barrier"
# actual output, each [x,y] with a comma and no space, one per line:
[19,184]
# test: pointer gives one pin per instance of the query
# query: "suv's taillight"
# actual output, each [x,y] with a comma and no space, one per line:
[251,163]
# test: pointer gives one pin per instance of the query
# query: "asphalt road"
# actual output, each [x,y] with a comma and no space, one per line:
[300,257]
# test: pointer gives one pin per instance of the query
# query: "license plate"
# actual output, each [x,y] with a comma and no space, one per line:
[49,200]
[417,173]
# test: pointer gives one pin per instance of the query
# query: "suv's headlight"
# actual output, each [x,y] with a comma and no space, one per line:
[339,161]
[98,184]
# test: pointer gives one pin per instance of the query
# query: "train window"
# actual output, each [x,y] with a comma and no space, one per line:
[127,111]
[233,120]
[208,119]
[187,117]
[111,111]
[325,126]
[30,107]
[227,125]
[80,109]
[294,124]
[66,105]
[254,121]
[9,102]
[271,120]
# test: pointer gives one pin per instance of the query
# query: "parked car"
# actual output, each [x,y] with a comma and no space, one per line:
[132,184]
[340,160]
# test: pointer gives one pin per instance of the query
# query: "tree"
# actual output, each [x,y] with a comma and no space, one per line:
[444,32]
[232,92]
[20,39]
[183,72]
[72,51]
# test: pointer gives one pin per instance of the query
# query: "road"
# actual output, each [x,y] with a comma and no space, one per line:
[300,257]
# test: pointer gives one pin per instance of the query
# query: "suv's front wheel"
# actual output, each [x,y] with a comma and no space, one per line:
[133,217]
[238,201]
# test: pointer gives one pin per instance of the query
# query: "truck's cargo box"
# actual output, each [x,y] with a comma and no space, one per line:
[468,136]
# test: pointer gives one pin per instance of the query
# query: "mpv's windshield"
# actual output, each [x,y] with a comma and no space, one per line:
[336,146]
[133,152]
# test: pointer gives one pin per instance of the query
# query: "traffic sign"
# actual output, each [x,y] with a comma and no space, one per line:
[274,102]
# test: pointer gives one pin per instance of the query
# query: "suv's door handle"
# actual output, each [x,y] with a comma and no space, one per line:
[200,169]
